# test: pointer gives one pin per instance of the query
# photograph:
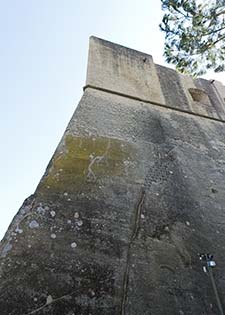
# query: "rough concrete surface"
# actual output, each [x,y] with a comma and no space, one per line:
[132,194]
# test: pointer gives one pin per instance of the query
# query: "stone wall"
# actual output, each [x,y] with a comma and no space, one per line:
[132,194]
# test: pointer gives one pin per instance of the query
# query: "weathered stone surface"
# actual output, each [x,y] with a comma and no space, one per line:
[132,194]
[177,88]
[122,70]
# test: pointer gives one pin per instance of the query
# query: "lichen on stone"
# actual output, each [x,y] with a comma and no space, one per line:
[34,224]
[85,159]
[6,249]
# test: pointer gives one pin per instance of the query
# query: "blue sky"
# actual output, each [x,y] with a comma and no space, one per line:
[43,49]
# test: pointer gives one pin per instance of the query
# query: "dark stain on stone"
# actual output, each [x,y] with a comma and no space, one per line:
[171,87]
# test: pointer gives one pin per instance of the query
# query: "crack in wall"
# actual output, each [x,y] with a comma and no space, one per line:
[133,237]
[65,296]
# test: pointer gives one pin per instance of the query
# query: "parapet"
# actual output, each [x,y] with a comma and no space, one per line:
[120,70]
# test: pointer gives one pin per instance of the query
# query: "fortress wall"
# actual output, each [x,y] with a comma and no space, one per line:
[133,193]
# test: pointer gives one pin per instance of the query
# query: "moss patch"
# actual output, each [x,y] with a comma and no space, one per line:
[86,160]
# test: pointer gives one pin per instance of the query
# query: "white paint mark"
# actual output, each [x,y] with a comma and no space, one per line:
[34,224]
[95,159]
[49,299]
[52,213]
[92,292]
[53,235]
[73,245]
[40,210]
[188,223]
[65,194]
[80,223]
[76,215]
[18,230]
[90,171]
[142,216]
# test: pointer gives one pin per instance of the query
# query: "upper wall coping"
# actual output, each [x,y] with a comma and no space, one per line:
[126,71]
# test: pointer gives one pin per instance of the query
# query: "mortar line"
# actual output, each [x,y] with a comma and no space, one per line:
[151,102]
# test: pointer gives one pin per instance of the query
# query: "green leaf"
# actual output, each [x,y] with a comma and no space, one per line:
[194,35]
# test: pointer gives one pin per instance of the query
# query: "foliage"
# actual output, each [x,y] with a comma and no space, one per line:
[194,35]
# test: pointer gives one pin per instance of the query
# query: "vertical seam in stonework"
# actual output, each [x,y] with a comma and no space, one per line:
[132,239]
